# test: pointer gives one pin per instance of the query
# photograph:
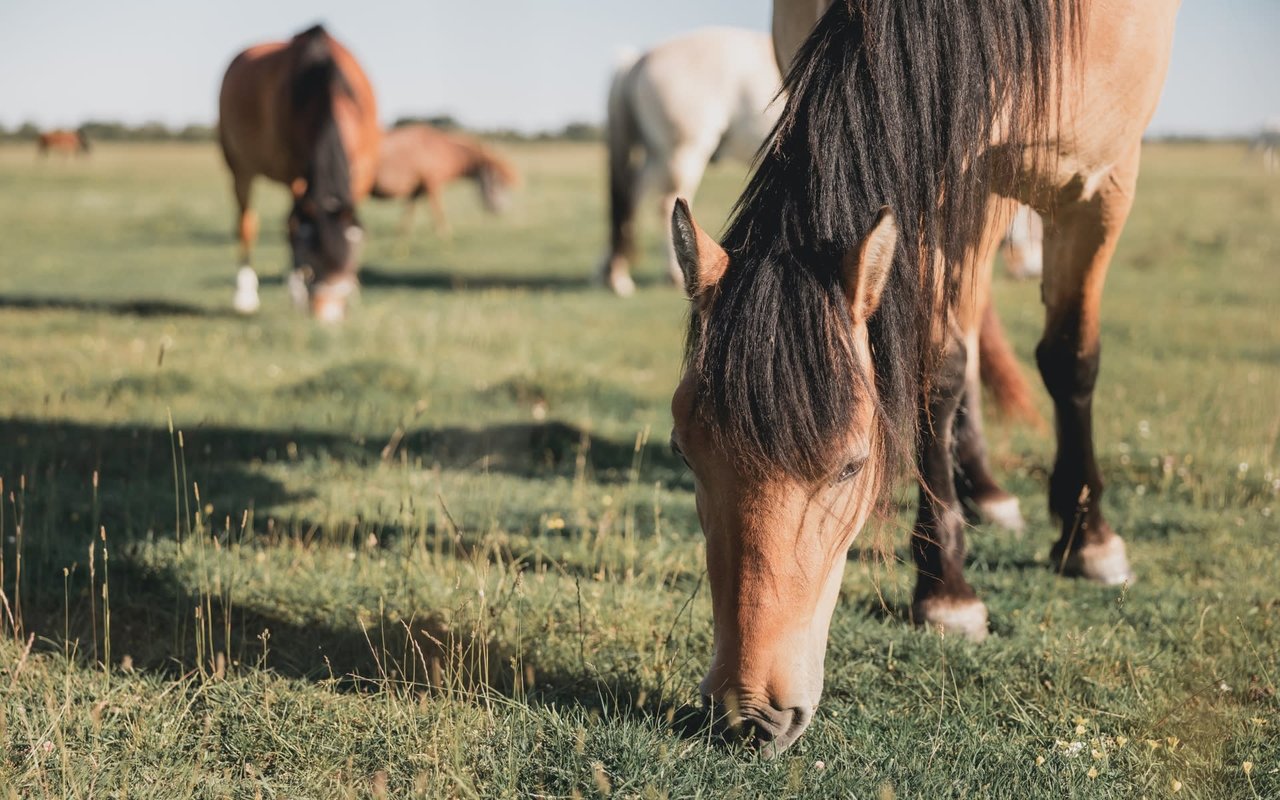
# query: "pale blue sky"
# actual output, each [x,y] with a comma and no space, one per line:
[528,64]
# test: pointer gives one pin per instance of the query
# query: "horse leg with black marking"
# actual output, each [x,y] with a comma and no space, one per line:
[616,271]
[1080,239]
[943,598]
[246,298]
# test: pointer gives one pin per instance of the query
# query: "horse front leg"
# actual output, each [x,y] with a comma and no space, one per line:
[246,297]
[1080,239]
[943,598]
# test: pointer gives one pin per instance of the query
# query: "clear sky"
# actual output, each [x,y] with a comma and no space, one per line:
[527,64]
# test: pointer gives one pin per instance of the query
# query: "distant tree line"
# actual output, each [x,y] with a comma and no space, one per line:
[113,131]
[572,132]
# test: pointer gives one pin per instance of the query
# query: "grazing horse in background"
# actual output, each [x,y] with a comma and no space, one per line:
[828,345]
[64,141]
[684,104]
[302,113]
[1268,144]
[1024,244]
[419,160]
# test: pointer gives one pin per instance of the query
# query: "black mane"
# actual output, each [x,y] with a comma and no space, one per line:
[890,103]
[315,78]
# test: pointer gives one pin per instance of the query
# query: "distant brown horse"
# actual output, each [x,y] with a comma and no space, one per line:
[63,141]
[303,113]
[421,160]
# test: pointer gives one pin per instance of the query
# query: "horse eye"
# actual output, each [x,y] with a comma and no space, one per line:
[849,470]
[676,451]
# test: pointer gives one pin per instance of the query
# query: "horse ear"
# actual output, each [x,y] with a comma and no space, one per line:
[865,268]
[702,260]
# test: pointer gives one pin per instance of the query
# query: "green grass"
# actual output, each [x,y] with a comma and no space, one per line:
[442,549]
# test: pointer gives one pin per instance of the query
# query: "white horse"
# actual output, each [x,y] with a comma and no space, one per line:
[683,104]
[1024,244]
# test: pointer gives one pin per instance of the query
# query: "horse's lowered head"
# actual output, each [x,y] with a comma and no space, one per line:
[777,416]
[496,177]
[324,231]
[326,238]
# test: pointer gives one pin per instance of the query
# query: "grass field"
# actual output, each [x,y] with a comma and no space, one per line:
[442,550]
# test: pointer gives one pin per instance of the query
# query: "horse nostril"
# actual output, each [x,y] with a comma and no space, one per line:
[758,734]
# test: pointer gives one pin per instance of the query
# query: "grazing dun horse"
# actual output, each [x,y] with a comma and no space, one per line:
[63,141]
[683,104]
[828,341]
[421,160]
[302,113]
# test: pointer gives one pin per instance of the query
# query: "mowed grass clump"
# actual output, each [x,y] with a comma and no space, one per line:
[443,551]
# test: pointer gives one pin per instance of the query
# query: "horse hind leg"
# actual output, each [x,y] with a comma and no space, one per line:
[615,272]
[1080,239]
[975,484]
[987,354]
[246,299]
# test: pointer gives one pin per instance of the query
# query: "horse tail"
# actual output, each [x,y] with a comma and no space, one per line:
[1002,374]
[622,136]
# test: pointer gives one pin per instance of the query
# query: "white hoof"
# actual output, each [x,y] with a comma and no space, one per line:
[967,618]
[1004,512]
[246,300]
[1106,564]
[621,285]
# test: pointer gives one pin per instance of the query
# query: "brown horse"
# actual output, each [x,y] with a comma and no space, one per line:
[829,344]
[63,141]
[302,113]
[421,160]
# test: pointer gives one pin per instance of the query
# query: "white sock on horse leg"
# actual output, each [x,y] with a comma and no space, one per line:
[246,299]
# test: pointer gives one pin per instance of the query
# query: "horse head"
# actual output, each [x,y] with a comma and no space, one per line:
[782,485]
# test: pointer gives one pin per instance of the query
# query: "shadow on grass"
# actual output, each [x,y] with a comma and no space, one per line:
[163,628]
[446,280]
[123,308]
[49,466]
[70,477]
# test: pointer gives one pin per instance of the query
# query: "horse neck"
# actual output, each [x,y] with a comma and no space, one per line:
[473,159]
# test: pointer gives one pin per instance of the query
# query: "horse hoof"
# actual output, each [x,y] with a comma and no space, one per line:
[246,299]
[621,285]
[1104,563]
[967,618]
[1004,512]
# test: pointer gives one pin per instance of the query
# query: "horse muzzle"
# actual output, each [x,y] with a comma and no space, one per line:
[326,300]
[762,726]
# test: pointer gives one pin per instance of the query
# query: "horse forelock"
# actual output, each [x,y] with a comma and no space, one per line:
[890,103]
